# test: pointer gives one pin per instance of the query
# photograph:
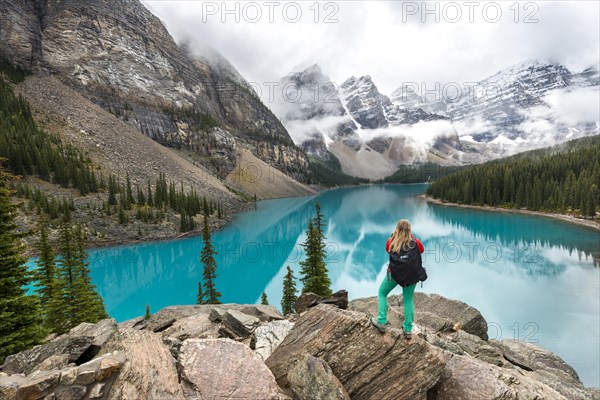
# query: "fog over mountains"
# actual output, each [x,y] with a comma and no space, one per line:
[525,106]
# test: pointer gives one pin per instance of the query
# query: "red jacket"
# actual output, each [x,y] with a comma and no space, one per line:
[419,245]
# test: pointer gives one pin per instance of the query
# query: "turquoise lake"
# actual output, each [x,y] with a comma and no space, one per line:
[533,278]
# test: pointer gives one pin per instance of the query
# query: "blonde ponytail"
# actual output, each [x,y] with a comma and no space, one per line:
[401,237]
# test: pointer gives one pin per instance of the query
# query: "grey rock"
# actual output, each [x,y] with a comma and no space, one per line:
[466,378]
[194,326]
[59,361]
[239,373]
[26,361]
[38,385]
[86,374]
[97,391]
[240,324]
[367,363]
[68,376]
[83,341]
[432,311]
[148,373]
[9,384]
[174,345]
[311,378]
[267,337]
[265,313]
[216,315]
[75,392]
[101,332]
[159,325]
[308,300]
[108,366]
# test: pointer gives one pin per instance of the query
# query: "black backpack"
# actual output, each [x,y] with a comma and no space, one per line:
[406,266]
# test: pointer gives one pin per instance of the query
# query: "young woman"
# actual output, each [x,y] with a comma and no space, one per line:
[405,269]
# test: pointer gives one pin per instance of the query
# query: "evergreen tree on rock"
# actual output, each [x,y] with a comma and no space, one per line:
[314,274]
[263,299]
[288,300]
[209,265]
[47,283]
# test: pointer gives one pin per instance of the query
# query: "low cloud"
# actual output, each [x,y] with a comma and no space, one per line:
[566,113]
[576,106]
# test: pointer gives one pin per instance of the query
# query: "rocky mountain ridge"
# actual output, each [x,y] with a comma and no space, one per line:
[324,352]
[120,56]
[516,109]
[362,128]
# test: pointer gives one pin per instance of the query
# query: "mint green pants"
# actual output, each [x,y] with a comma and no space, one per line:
[408,294]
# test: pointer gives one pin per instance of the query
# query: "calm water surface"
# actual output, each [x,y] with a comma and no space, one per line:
[533,278]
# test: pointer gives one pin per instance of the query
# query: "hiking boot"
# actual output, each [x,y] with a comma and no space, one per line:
[407,335]
[381,327]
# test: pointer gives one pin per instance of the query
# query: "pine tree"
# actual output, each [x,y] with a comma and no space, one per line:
[200,295]
[45,274]
[89,306]
[288,300]
[47,283]
[20,314]
[314,274]
[113,188]
[209,274]
[80,299]
[147,315]
[263,299]
[129,200]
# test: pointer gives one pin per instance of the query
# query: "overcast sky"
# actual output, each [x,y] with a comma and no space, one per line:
[387,39]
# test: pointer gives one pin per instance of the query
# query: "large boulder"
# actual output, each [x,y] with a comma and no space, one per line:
[267,337]
[466,378]
[225,369]
[308,300]
[148,373]
[367,363]
[81,344]
[38,386]
[432,311]
[546,367]
[311,378]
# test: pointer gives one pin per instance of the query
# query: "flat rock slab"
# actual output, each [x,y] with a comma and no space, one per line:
[370,365]
[225,369]
[432,311]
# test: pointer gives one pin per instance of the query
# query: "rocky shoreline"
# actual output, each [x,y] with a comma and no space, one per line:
[327,351]
[562,217]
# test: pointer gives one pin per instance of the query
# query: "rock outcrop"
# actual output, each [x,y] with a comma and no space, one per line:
[81,344]
[435,312]
[325,353]
[367,363]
